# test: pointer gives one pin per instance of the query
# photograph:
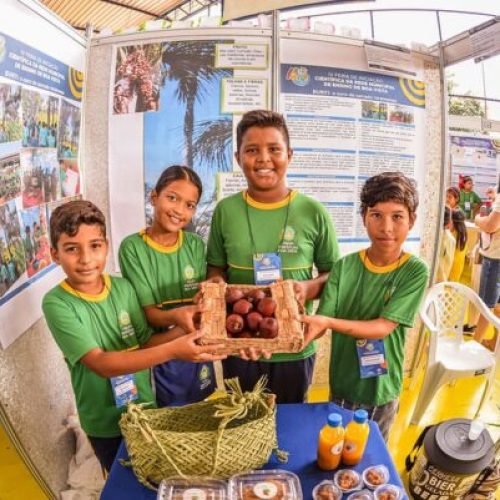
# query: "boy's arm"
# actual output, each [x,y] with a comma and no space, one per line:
[310,289]
[488,224]
[183,317]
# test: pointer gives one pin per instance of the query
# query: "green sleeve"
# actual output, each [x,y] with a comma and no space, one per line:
[201,257]
[70,334]
[476,198]
[132,268]
[405,301]
[326,250]
[329,296]
[142,329]
[216,253]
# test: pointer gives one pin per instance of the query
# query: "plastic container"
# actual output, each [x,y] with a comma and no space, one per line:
[375,476]
[356,437]
[331,443]
[192,489]
[265,484]
[326,490]
[361,495]
[347,480]
[388,492]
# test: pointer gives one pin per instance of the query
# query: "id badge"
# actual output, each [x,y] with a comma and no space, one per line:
[467,206]
[124,389]
[266,268]
[371,358]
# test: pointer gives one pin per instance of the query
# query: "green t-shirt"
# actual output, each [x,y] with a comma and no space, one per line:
[111,321]
[166,276]
[308,239]
[358,290]
[467,202]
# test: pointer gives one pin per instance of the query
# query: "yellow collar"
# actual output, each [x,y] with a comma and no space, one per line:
[268,206]
[162,248]
[382,269]
[87,296]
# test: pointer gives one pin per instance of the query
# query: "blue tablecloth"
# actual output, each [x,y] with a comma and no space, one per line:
[298,427]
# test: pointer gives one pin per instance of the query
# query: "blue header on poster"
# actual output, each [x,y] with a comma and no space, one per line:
[338,82]
[29,66]
[472,142]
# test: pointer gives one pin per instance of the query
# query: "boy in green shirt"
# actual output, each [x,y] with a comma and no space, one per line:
[100,327]
[369,301]
[269,218]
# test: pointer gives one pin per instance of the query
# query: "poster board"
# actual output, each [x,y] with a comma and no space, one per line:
[41,84]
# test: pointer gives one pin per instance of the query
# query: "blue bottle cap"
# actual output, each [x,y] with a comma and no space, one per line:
[360,416]
[334,419]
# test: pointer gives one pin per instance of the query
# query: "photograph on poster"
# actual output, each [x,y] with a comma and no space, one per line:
[40,176]
[400,114]
[10,113]
[12,255]
[10,178]
[50,207]
[374,110]
[138,78]
[189,129]
[35,239]
[40,119]
[70,178]
[69,131]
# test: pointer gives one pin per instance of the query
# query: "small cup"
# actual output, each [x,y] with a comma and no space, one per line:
[388,492]
[375,476]
[361,495]
[326,490]
[347,480]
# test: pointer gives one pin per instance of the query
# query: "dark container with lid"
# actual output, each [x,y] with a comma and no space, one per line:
[448,463]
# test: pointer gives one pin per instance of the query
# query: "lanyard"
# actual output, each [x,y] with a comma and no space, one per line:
[254,247]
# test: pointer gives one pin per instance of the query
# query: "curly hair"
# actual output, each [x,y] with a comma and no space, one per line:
[389,186]
[261,118]
[68,218]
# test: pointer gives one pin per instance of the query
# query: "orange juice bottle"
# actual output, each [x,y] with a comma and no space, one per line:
[356,437]
[331,442]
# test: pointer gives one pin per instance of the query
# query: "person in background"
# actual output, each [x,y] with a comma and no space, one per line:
[453,197]
[98,323]
[459,232]
[370,299]
[447,249]
[469,201]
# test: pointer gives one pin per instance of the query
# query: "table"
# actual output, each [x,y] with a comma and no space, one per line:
[298,427]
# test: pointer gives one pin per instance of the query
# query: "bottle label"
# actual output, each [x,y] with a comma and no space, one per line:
[350,447]
[337,448]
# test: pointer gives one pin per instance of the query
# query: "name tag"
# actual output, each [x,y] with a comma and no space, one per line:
[124,389]
[266,268]
[371,358]
[467,206]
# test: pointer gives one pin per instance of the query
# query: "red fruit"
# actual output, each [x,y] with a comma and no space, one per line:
[268,328]
[255,295]
[234,323]
[242,307]
[267,306]
[233,295]
[253,320]
[245,334]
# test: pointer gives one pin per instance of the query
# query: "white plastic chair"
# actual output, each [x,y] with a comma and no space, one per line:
[450,356]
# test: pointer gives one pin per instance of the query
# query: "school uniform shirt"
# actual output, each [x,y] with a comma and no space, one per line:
[470,198]
[358,290]
[111,321]
[298,227]
[168,277]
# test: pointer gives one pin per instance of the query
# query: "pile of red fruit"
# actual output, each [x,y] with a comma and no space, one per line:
[250,315]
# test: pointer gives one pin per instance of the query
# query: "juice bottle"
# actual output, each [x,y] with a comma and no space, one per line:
[331,443]
[356,437]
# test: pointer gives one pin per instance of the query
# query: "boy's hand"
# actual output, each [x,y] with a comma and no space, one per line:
[187,317]
[315,327]
[254,354]
[187,349]
[300,290]
[215,279]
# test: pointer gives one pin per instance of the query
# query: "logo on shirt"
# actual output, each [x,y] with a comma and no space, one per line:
[188,272]
[289,233]
[126,328]
[287,244]
[205,377]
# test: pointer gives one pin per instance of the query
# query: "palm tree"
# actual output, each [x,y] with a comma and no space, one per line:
[191,65]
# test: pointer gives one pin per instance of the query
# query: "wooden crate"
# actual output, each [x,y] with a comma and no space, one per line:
[213,320]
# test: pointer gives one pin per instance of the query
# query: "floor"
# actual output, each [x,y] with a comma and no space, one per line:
[459,400]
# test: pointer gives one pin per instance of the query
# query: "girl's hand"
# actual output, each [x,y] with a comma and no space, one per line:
[187,317]
[186,348]
[300,290]
[315,327]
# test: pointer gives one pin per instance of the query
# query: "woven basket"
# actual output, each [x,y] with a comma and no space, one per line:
[217,438]
[213,319]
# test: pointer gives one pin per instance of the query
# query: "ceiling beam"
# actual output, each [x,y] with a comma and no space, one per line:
[136,9]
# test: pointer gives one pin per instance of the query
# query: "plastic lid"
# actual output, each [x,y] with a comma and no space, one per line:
[194,488]
[334,419]
[360,416]
[448,447]
[266,485]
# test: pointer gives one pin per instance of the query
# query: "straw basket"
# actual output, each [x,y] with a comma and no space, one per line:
[213,319]
[218,438]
